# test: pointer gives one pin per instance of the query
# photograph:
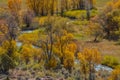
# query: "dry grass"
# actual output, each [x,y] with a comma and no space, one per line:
[105,47]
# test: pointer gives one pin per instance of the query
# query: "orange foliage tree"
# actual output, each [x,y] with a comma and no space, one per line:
[15,7]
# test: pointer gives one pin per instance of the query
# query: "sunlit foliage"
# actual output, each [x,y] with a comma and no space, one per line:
[109,20]
[88,59]
[43,7]
[15,7]
[115,74]
[8,56]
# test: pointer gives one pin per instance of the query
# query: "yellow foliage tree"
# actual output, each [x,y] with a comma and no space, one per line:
[26,52]
[89,58]
[10,47]
[2,51]
[116,4]
[8,56]
[69,59]
[52,63]
[57,41]
[45,7]
[65,49]
[115,74]
[15,7]
[37,55]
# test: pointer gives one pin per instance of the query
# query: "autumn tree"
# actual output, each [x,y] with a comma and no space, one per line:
[34,5]
[3,30]
[9,56]
[84,66]
[69,56]
[88,59]
[15,7]
[115,74]
[3,13]
[45,7]
[95,30]
[27,18]
[46,41]
[65,49]
[6,64]
[57,40]
[109,20]
[87,6]
[37,55]
[9,30]
[26,53]
[12,28]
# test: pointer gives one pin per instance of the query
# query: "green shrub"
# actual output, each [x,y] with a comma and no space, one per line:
[110,61]
[36,67]
[79,14]
[94,12]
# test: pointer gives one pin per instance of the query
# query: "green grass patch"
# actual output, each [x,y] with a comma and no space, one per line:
[110,61]
[101,3]
[78,22]
[79,14]
[29,37]
[78,36]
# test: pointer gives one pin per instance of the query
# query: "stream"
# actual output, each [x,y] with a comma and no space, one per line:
[103,68]
[99,67]
[27,31]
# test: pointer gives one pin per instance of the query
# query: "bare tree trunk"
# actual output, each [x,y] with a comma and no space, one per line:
[90,71]
[95,40]
[87,4]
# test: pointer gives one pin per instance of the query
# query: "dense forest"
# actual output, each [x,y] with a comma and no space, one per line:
[59,39]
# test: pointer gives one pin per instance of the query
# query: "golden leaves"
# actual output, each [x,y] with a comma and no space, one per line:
[116,4]
[52,63]
[88,59]
[2,51]
[9,44]
[3,26]
[90,55]
[69,55]
[115,74]
[14,5]
[29,37]
[26,52]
